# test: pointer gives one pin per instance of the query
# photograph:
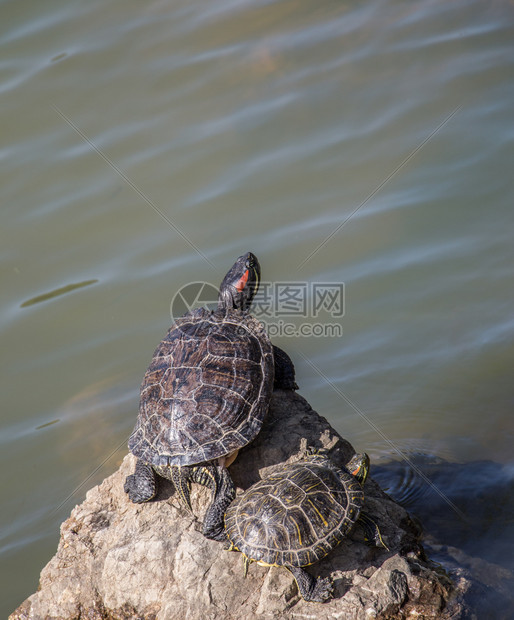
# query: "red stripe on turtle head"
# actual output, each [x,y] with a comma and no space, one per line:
[242,281]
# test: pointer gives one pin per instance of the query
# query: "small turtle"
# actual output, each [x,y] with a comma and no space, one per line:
[298,514]
[205,396]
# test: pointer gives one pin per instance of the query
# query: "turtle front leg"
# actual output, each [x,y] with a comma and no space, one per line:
[284,370]
[372,534]
[311,589]
[140,486]
[216,478]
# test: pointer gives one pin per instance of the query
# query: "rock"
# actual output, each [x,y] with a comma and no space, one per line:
[119,560]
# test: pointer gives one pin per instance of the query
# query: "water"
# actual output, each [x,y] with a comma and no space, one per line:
[469,505]
[147,146]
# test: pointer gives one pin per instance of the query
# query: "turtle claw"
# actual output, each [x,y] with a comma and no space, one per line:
[131,489]
[311,589]
[140,486]
[323,590]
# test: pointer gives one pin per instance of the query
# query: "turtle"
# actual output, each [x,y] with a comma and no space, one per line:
[205,396]
[298,514]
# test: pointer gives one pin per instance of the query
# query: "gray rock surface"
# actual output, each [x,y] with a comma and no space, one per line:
[116,559]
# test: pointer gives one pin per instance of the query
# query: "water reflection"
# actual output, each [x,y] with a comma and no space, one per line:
[63,290]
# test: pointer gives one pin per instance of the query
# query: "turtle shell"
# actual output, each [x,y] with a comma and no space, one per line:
[206,391]
[295,516]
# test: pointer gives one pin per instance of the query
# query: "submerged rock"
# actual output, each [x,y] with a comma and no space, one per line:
[116,559]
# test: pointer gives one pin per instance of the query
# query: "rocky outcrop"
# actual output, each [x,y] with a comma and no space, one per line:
[116,559]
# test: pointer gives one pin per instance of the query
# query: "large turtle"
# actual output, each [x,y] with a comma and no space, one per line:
[205,395]
[298,514]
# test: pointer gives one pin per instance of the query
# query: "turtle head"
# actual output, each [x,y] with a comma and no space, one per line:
[241,283]
[358,466]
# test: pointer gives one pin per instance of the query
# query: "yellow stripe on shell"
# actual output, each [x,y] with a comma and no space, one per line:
[298,530]
[319,513]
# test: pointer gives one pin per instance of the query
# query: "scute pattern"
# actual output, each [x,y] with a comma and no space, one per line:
[206,391]
[296,516]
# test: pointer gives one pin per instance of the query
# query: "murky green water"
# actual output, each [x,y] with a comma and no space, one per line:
[147,145]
